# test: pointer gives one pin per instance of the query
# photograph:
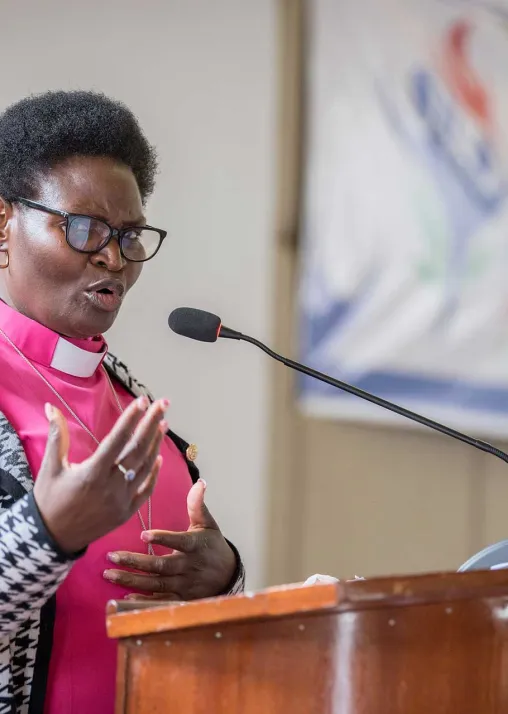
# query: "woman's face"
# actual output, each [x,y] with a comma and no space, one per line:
[46,279]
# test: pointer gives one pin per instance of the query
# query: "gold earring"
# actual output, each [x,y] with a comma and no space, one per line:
[6,264]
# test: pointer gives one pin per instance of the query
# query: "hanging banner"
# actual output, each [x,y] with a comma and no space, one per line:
[404,282]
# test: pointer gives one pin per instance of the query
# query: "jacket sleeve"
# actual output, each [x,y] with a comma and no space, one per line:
[237,584]
[31,564]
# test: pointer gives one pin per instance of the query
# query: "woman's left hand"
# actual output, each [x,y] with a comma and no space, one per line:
[202,565]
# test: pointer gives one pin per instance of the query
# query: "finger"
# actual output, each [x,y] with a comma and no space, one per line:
[145,583]
[57,446]
[126,457]
[144,471]
[187,542]
[199,515]
[154,564]
[135,452]
[170,597]
[146,488]
[111,447]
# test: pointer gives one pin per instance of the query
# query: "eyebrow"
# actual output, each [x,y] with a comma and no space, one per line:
[141,221]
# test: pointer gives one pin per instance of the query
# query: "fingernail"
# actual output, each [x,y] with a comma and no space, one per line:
[163,426]
[113,557]
[165,403]
[109,575]
[202,480]
[142,403]
[146,537]
[49,410]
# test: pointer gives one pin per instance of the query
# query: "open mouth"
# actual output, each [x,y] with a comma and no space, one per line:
[106,295]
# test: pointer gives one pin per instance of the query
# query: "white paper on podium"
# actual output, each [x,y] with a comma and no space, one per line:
[320,579]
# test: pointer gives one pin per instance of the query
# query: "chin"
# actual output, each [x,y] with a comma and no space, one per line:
[99,327]
[84,326]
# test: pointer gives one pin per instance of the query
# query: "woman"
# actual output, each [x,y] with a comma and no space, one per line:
[75,174]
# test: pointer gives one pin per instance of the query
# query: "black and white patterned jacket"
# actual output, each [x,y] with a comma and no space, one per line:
[32,567]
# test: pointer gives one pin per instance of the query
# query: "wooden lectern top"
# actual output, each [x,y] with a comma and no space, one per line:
[128,619]
[428,644]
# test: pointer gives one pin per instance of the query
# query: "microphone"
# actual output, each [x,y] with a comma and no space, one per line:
[207,327]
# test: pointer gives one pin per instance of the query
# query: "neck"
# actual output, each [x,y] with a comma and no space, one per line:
[5,298]
[39,343]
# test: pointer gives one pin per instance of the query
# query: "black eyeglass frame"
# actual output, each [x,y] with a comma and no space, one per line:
[117,233]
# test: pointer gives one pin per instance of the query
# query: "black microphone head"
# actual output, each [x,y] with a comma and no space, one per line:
[196,324]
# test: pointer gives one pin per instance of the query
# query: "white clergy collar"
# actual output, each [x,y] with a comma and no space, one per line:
[74,360]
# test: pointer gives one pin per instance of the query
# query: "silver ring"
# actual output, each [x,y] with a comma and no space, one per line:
[128,474]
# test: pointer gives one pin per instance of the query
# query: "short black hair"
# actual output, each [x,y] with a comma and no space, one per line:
[39,131]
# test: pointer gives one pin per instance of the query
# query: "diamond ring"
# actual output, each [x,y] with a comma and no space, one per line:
[128,474]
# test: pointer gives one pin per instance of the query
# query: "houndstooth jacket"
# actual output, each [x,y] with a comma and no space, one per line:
[32,567]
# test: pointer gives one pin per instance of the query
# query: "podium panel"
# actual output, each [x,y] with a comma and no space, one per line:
[432,644]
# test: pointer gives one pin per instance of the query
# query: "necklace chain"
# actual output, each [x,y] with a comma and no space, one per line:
[80,422]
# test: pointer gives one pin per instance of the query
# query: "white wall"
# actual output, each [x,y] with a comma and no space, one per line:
[200,74]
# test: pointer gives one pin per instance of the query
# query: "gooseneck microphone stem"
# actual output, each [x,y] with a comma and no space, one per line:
[227,333]
[207,327]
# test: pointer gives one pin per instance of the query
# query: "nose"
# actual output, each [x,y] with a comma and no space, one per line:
[109,257]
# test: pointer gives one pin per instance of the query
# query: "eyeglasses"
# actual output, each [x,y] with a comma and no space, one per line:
[87,234]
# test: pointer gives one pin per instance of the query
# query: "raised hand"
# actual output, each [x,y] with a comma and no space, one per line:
[82,502]
[202,564]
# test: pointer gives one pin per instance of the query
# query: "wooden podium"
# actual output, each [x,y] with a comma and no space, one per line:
[432,644]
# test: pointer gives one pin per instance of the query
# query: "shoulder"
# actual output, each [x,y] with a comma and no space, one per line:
[123,374]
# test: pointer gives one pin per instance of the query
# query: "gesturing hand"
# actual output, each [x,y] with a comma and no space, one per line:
[82,502]
[202,565]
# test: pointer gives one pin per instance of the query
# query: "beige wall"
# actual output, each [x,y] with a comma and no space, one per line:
[351,499]
[204,78]
[201,76]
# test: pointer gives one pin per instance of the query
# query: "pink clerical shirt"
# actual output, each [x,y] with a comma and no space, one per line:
[83,660]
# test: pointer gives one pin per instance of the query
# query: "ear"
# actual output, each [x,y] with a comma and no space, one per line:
[6,212]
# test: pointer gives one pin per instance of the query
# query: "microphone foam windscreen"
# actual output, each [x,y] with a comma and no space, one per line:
[196,324]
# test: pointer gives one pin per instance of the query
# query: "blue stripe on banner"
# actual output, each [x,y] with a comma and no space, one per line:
[442,392]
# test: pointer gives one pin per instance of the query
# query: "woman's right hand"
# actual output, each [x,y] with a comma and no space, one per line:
[82,502]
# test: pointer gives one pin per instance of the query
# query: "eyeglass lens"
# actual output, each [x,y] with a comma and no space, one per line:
[90,235]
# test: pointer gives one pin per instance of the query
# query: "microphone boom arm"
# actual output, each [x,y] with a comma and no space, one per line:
[227,333]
